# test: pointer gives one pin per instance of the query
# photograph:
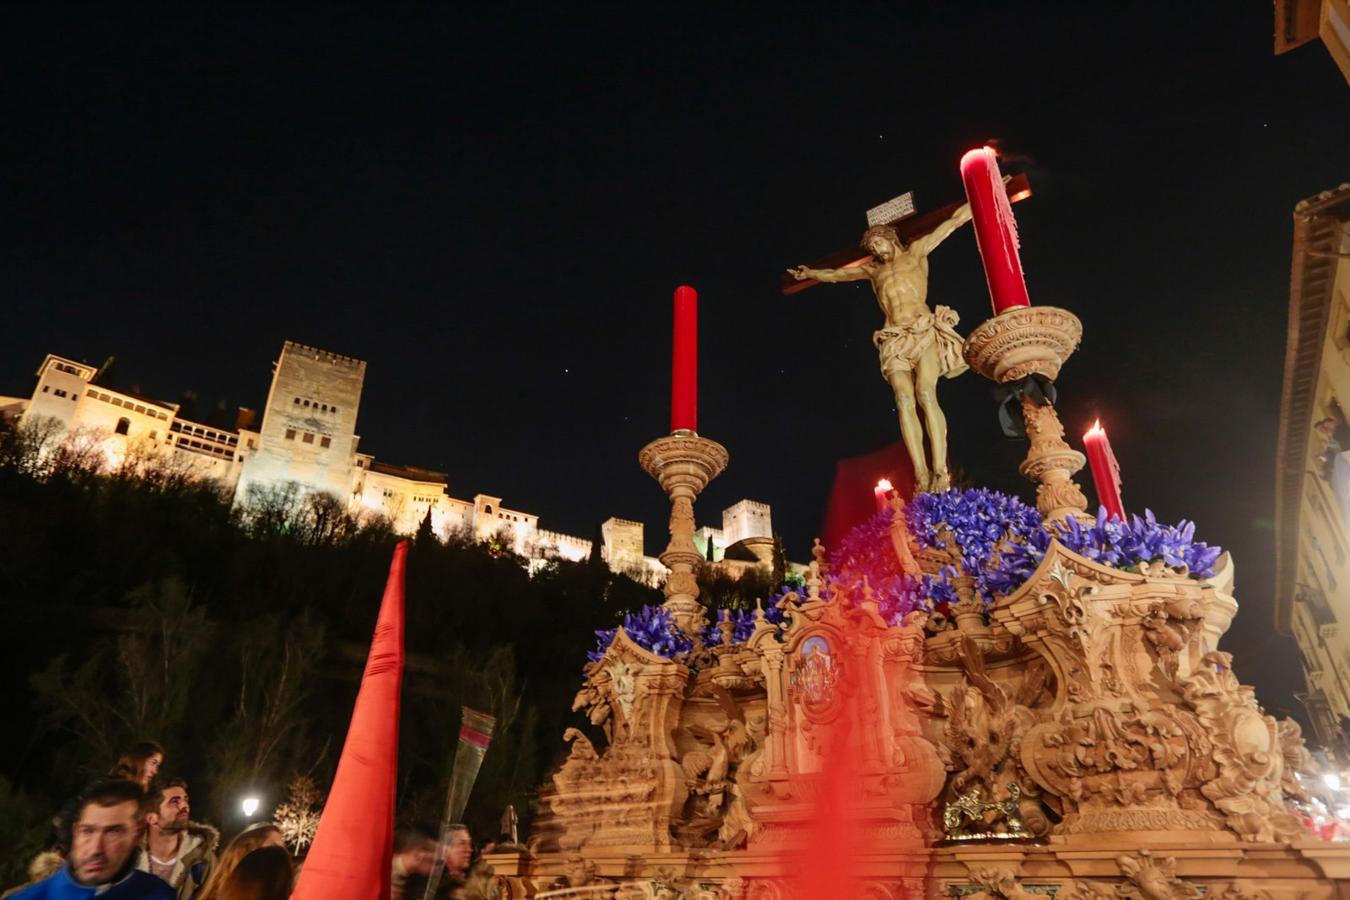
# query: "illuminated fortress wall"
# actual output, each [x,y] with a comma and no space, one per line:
[307,438]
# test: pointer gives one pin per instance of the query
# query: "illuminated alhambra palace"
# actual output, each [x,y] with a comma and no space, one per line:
[307,436]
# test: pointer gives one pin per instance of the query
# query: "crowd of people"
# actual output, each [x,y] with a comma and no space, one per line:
[130,836]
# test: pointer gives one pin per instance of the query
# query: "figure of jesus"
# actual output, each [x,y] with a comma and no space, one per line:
[917,345]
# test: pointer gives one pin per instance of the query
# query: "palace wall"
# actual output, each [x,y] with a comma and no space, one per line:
[307,436]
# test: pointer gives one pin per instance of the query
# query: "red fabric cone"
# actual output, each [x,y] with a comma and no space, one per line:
[351,856]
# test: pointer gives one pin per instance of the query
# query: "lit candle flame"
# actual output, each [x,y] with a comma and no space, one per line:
[885,485]
[1095,429]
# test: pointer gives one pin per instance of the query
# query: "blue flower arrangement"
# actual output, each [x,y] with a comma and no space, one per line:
[999,540]
[1128,545]
[651,628]
[743,621]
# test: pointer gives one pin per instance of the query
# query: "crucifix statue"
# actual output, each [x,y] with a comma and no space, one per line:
[917,345]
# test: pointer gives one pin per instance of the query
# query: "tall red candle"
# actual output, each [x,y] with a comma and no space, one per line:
[1105,470]
[882,494]
[684,365]
[995,229]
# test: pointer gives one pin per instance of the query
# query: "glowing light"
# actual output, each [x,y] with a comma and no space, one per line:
[1095,429]
[1332,780]
[250,805]
[881,493]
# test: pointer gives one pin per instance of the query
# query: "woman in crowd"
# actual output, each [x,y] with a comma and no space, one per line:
[263,874]
[140,763]
[259,834]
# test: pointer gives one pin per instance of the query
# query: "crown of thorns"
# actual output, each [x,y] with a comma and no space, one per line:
[884,231]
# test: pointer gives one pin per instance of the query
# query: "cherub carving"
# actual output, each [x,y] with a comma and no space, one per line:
[984,730]
[707,769]
[598,710]
[1146,878]
[999,883]
[1154,879]
[983,723]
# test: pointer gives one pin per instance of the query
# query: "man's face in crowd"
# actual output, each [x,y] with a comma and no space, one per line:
[459,851]
[172,814]
[102,839]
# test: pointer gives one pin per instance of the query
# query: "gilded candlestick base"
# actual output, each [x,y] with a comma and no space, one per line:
[683,463]
[1035,341]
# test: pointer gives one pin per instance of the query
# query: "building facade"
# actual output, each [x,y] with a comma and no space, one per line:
[307,442]
[1312,501]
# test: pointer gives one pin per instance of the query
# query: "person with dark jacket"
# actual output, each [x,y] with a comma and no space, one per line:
[104,843]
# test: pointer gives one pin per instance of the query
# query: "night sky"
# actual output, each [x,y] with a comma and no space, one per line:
[492,207]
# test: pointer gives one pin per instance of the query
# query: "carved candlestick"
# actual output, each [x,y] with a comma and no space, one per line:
[1017,344]
[683,463]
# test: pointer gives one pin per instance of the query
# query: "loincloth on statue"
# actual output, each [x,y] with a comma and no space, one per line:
[901,347]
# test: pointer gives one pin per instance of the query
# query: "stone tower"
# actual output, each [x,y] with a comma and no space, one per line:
[308,432]
[746,519]
[623,544]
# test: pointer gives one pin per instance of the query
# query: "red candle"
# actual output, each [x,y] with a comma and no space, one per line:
[882,494]
[684,368]
[1105,470]
[995,229]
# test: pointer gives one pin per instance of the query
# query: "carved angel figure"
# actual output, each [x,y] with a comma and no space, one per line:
[707,769]
[1146,878]
[597,708]
[710,772]
[1154,879]
[999,883]
[983,722]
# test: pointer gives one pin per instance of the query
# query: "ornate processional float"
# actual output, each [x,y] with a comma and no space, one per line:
[971,696]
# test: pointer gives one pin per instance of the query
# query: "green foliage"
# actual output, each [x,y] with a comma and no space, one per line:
[133,685]
[268,729]
[22,829]
[722,591]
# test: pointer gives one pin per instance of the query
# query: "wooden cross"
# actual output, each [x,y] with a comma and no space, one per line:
[909,228]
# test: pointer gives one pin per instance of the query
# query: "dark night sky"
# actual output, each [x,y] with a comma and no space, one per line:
[493,207]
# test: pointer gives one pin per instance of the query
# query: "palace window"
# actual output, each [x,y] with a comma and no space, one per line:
[297,399]
[290,434]
[325,441]
[308,438]
[123,426]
